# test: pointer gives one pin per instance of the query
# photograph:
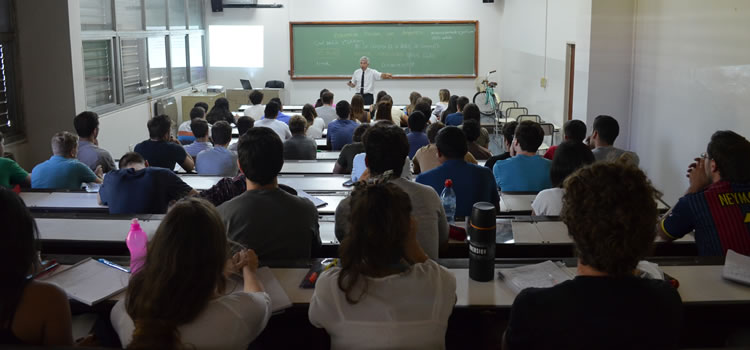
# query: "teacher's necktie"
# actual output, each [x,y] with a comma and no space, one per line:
[362,87]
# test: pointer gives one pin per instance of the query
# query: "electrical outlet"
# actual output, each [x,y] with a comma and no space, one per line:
[543,82]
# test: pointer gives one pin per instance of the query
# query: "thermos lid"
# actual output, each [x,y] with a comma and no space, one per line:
[483,215]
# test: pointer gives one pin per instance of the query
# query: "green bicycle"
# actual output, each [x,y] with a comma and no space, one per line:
[485,98]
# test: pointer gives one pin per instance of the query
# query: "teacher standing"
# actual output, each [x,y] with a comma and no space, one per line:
[363,79]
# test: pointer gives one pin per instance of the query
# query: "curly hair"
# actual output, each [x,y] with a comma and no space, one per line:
[611,213]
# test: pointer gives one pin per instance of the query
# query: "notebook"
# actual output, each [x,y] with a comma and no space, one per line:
[542,275]
[279,299]
[736,267]
[90,281]
[317,201]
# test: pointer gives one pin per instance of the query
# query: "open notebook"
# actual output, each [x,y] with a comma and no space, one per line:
[542,275]
[90,281]
[737,267]
[279,299]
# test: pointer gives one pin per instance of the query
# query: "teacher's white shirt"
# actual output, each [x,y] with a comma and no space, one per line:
[370,76]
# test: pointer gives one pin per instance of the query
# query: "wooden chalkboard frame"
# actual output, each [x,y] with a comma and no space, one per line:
[470,76]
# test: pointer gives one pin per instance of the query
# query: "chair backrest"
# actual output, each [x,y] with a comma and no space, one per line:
[532,117]
[275,84]
[514,112]
[549,129]
[503,105]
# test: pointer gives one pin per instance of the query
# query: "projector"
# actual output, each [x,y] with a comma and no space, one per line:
[215,88]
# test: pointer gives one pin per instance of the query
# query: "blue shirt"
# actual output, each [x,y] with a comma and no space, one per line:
[146,191]
[161,154]
[197,147]
[472,183]
[217,161]
[340,133]
[523,174]
[454,119]
[61,173]
[283,117]
[416,141]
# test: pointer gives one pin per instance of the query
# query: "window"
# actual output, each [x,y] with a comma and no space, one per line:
[226,52]
[195,14]
[177,13]
[197,68]
[157,64]
[179,59]
[129,15]
[10,122]
[134,68]
[96,15]
[156,14]
[97,65]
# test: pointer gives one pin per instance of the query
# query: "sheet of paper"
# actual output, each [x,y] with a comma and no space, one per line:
[525,232]
[736,267]
[542,275]
[279,299]
[554,232]
[90,281]
[517,202]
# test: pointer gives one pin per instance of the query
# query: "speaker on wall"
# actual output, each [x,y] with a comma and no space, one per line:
[488,1]
[217,5]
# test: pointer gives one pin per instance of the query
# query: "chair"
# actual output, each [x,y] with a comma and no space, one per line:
[275,84]
[503,105]
[514,112]
[549,130]
[532,117]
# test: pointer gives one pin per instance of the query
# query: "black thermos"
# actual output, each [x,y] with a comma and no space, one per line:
[481,227]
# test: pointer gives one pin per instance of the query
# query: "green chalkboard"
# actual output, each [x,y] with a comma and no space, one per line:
[404,49]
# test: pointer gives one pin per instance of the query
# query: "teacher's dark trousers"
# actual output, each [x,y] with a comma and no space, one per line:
[368,99]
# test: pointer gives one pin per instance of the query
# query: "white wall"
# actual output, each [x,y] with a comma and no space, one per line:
[523,55]
[692,77]
[276,42]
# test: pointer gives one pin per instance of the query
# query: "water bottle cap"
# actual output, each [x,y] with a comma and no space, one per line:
[448,183]
[135,225]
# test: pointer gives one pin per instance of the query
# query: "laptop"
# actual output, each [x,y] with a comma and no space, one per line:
[246,84]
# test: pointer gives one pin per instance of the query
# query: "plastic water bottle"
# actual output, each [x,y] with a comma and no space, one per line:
[448,198]
[136,241]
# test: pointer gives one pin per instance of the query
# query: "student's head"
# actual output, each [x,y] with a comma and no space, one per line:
[359,131]
[417,121]
[610,212]
[343,109]
[86,124]
[278,101]
[364,62]
[308,111]
[472,130]
[197,113]
[386,148]
[221,104]
[327,98]
[244,124]
[323,92]
[380,226]
[297,125]
[202,105]
[380,95]
[569,157]
[433,130]
[272,110]
[384,110]
[358,106]
[387,98]
[444,95]
[425,106]
[728,154]
[413,97]
[221,133]
[131,159]
[606,130]
[462,102]
[158,127]
[261,155]
[65,144]
[509,132]
[18,247]
[256,97]
[199,128]
[574,130]
[529,136]
[453,102]
[183,272]
[451,143]
[471,112]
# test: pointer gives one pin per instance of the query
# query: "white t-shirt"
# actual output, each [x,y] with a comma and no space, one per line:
[279,127]
[255,111]
[438,111]
[316,129]
[396,114]
[548,202]
[370,76]
[228,322]
[403,311]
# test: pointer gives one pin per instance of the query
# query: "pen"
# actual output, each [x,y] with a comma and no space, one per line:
[113,265]
[49,268]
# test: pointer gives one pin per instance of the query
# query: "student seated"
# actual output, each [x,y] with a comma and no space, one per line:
[326,111]
[163,150]
[345,161]
[179,299]
[299,147]
[31,312]
[218,160]
[457,118]
[63,170]
[413,97]
[137,188]
[387,147]
[315,124]
[220,111]
[244,124]
[424,105]
[201,141]
[471,112]
[256,109]
[452,108]
[259,218]
[386,292]
[184,131]
[472,129]
[606,130]
[508,131]
[340,131]
[397,115]
[282,117]
[526,171]
[472,183]
[610,212]
[280,128]
[444,95]
[574,130]
[359,165]
[569,157]
[715,205]
[358,109]
[427,158]
[383,112]
[417,136]
[89,153]
[11,173]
